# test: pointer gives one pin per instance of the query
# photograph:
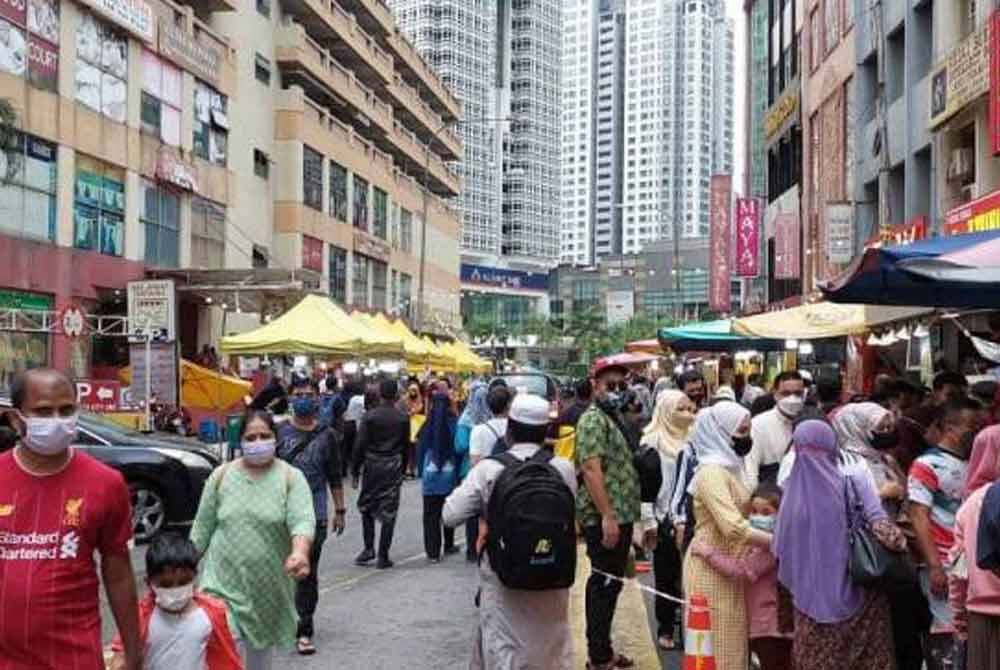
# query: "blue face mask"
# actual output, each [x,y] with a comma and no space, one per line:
[304,406]
[762,522]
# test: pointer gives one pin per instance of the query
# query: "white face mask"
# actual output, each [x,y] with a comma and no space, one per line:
[49,435]
[258,452]
[174,599]
[791,406]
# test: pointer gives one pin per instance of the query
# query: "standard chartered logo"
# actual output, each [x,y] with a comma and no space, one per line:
[38,546]
[70,545]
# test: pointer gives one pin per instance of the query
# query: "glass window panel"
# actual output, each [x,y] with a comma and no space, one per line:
[360,203]
[170,125]
[172,82]
[312,178]
[113,97]
[170,210]
[40,174]
[88,85]
[88,39]
[338,191]
[114,54]
[11,206]
[112,233]
[86,221]
[13,49]
[43,19]
[150,202]
[39,214]
[152,73]
[149,114]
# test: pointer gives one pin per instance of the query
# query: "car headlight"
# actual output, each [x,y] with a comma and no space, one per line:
[189,459]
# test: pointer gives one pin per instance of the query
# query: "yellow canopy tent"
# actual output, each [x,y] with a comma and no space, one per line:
[379,327]
[314,326]
[205,389]
[416,352]
[441,360]
[475,362]
[822,319]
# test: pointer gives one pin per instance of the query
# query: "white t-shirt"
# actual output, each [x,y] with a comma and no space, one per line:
[178,641]
[485,435]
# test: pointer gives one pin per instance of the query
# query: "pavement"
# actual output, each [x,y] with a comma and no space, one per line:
[419,615]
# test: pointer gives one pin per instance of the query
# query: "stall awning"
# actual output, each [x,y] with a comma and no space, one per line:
[976,264]
[713,336]
[822,319]
[898,275]
[644,347]
[627,359]
[202,388]
[314,326]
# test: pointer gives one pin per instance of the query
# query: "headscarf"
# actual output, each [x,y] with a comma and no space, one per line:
[437,436]
[355,408]
[476,411]
[984,463]
[664,431]
[854,424]
[988,533]
[712,435]
[811,533]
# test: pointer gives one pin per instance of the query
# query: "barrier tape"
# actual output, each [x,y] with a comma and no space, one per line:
[648,589]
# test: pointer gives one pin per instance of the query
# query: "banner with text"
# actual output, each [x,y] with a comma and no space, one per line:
[747,258]
[719,288]
[995,80]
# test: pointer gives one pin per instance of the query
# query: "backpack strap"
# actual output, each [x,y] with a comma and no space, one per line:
[541,456]
[506,459]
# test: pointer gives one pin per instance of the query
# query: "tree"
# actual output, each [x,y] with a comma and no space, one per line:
[9,129]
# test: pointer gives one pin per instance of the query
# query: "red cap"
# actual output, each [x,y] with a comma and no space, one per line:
[602,365]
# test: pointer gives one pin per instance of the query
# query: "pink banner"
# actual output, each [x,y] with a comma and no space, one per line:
[786,246]
[747,257]
[719,288]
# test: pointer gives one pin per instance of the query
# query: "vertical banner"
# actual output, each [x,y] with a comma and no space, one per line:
[719,289]
[994,95]
[786,246]
[748,211]
[839,232]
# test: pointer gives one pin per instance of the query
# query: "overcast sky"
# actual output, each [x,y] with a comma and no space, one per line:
[735,10]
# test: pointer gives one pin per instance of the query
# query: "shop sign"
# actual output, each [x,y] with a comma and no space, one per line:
[15,11]
[372,247]
[780,113]
[747,257]
[312,253]
[200,59]
[73,321]
[961,78]
[162,369]
[839,232]
[786,246]
[174,170]
[621,306]
[995,80]
[134,16]
[912,231]
[974,217]
[43,63]
[152,309]
[719,287]
[21,300]
[98,395]
[503,278]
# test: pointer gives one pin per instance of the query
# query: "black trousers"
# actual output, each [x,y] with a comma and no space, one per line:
[433,528]
[667,572]
[910,621]
[307,590]
[602,593]
[384,539]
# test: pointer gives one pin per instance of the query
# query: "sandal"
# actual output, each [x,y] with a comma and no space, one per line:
[666,642]
[305,647]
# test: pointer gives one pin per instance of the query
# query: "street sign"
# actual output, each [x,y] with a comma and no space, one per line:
[162,368]
[98,395]
[152,309]
[73,321]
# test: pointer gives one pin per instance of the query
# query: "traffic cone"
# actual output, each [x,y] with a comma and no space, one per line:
[698,653]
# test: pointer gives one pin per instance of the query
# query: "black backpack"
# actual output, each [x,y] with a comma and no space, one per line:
[532,525]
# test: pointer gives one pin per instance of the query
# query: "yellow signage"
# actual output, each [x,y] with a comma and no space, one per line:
[782,109]
[961,78]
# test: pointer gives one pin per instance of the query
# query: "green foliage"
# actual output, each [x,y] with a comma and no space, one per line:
[8,134]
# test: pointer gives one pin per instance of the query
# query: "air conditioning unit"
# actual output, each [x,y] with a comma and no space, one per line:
[961,165]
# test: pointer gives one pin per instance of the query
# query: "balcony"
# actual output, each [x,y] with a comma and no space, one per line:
[416,113]
[373,15]
[329,23]
[417,72]
[414,155]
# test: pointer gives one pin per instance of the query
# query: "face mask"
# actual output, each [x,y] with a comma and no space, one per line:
[613,399]
[742,445]
[883,441]
[174,599]
[49,435]
[791,406]
[304,406]
[762,522]
[258,452]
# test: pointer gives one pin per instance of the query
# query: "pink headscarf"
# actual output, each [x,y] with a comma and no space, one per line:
[984,463]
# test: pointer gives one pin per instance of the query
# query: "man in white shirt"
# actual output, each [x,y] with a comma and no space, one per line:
[484,437]
[771,431]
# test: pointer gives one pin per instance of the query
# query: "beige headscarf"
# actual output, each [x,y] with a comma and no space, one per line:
[664,430]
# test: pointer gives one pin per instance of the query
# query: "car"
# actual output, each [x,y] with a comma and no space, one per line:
[535,383]
[165,473]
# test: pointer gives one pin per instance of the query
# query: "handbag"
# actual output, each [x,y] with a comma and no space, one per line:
[870,563]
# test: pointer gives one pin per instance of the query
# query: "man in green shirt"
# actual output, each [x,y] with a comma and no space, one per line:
[607,506]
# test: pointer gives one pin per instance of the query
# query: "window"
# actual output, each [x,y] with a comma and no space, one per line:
[312,178]
[406,231]
[102,68]
[359,283]
[28,188]
[338,274]
[815,39]
[381,206]
[259,256]
[338,192]
[208,234]
[405,295]
[262,69]
[211,125]
[831,14]
[261,164]
[264,7]
[379,284]
[160,216]
[31,36]
[161,99]
[98,206]
[360,203]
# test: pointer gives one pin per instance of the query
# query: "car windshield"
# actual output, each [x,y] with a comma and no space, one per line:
[108,428]
[534,384]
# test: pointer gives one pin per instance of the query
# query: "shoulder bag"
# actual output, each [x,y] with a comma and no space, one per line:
[870,563]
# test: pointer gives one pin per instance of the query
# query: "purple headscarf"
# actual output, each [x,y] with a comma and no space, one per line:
[810,536]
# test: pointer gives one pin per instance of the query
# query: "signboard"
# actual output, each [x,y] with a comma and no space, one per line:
[913,230]
[134,16]
[370,246]
[839,232]
[15,11]
[43,64]
[786,246]
[200,59]
[163,372]
[504,278]
[621,306]
[995,81]
[152,305]
[312,253]
[172,169]
[719,287]
[782,110]
[974,217]
[963,76]
[747,257]
[98,395]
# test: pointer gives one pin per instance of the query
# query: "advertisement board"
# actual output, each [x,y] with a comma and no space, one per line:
[180,46]
[152,306]
[134,16]
[995,81]
[719,287]
[963,76]
[747,257]
[504,278]
[974,217]
[163,372]
[620,306]
[839,232]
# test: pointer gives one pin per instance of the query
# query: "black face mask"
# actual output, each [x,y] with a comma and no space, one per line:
[883,441]
[965,442]
[742,445]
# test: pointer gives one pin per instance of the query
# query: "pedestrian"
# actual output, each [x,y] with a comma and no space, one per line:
[315,450]
[485,437]
[838,625]
[273,396]
[414,406]
[771,431]
[380,453]
[523,629]
[582,393]
[754,389]
[475,414]
[607,508]
[58,507]
[254,529]
[352,415]
[936,484]
[693,384]
[974,592]
[948,385]
[720,439]
[640,388]
[180,626]
[437,467]
[667,432]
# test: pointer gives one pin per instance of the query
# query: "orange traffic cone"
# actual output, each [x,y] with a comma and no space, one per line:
[698,653]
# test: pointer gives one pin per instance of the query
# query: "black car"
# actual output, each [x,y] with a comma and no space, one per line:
[165,474]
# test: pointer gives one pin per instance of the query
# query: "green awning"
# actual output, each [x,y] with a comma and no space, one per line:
[713,336]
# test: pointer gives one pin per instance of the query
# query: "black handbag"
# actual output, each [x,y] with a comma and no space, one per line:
[871,564]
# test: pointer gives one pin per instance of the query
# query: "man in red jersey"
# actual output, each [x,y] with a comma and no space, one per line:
[57,507]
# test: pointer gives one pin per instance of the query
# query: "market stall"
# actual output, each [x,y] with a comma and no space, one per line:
[644,347]
[714,336]
[822,320]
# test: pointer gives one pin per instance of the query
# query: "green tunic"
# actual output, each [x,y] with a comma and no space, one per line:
[244,530]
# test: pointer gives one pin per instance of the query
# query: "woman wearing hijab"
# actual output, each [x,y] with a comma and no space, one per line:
[720,439]
[838,625]
[667,433]
[974,593]
[866,432]
[437,467]
[476,412]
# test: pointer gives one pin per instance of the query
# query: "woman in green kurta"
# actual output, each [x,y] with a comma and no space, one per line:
[254,527]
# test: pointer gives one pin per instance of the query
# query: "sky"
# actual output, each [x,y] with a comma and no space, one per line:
[734,8]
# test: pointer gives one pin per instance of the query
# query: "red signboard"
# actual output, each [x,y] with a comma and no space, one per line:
[995,81]
[786,246]
[748,211]
[974,217]
[43,63]
[312,253]
[912,231]
[14,10]
[719,288]
[98,395]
